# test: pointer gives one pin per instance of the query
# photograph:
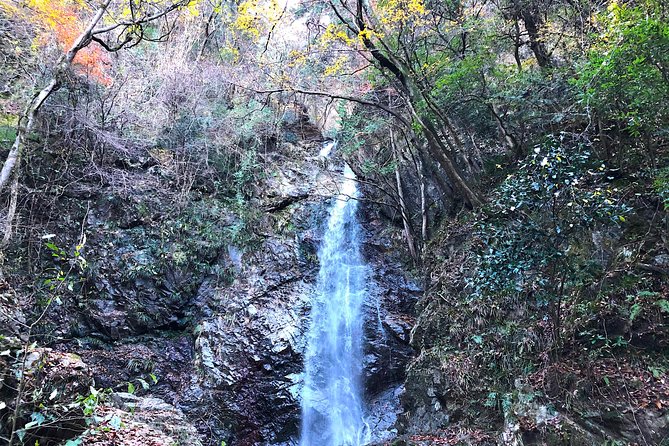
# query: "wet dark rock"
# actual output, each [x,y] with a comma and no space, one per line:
[297,125]
[389,309]
[11,316]
[164,358]
[216,330]
[384,411]
[251,338]
[249,346]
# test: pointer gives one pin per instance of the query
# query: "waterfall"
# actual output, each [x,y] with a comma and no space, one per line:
[332,408]
[327,148]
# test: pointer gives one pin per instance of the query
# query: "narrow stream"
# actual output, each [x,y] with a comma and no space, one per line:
[332,406]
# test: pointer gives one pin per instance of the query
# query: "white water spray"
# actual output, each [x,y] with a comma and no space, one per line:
[332,407]
[327,148]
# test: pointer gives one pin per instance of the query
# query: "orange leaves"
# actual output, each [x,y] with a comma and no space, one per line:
[61,22]
[62,19]
[92,61]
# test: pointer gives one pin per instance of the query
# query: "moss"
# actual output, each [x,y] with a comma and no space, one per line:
[8,123]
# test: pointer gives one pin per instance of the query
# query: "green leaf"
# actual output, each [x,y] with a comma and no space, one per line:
[634,311]
[131,388]
[37,420]
[115,422]
[663,304]
[657,371]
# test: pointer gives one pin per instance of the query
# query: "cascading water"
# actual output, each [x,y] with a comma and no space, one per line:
[332,408]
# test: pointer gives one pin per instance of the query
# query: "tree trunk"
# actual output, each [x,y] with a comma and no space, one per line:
[439,152]
[408,232]
[533,23]
[423,204]
[11,212]
[32,110]
[436,146]
[509,138]
[517,44]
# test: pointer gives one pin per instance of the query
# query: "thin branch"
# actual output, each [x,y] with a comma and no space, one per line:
[128,23]
[325,94]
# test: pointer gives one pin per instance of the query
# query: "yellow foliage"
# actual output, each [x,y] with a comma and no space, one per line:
[400,12]
[335,33]
[60,22]
[297,58]
[256,16]
[613,6]
[368,34]
[230,53]
[336,67]
[9,8]
[193,9]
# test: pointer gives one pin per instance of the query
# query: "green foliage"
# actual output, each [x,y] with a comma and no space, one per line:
[531,259]
[530,234]
[358,129]
[181,132]
[645,303]
[502,402]
[242,232]
[143,383]
[192,239]
[89,403]
[245,175]
[462,85]
[657,371]
[626,75]
[67,273]
[47,414]
[661,186]
[663,305]
[7,129]
[254,122]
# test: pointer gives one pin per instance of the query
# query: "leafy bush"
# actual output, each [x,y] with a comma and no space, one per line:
[531,235]
[626,75]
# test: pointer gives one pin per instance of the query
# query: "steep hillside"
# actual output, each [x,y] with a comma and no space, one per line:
[168,169]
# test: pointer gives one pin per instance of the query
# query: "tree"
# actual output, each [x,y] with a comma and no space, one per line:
[112,26]
[389,37]
[625,78]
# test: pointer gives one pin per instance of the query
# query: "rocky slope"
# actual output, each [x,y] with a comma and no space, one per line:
[202,310]
[488,371]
